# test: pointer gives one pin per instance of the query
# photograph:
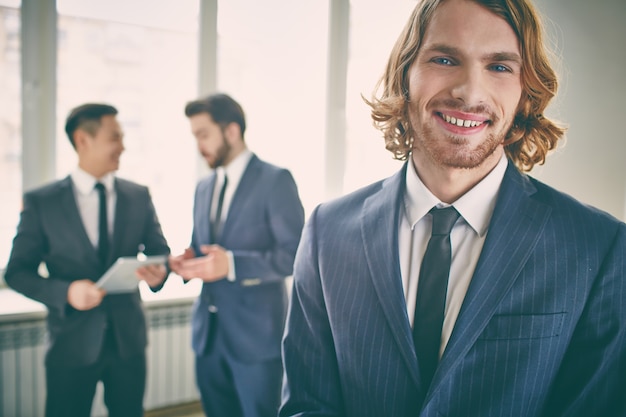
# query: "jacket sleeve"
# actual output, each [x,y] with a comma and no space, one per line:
[592,377]
[285,220]
[154,240]
[311,377]
[27,253]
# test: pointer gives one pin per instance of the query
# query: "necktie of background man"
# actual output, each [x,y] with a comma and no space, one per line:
[217,222]
[103,225]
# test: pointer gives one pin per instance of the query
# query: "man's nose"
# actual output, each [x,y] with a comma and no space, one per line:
[470,86]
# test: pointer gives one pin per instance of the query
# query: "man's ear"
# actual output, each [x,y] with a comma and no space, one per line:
[80,139]
[233,133]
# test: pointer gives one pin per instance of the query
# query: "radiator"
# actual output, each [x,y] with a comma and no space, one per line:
[170,363]
[22,382]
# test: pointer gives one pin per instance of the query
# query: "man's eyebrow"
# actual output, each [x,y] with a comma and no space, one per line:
[454,51]
[442,48]
[504,56]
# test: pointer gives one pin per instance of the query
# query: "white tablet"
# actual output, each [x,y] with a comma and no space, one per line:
[120,277]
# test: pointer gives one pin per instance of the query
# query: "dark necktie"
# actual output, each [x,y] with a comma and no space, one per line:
[217,222]
[431,292]
[103,225]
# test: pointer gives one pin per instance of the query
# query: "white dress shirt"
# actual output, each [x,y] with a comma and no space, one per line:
[89,203]
[467,238]
[234,171]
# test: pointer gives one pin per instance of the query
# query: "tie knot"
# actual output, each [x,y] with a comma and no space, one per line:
[443,220]
[100,187]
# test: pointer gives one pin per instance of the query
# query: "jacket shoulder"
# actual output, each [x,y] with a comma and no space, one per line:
[267,167]
[347,209]
[130,186]
[50,189]
[566,206]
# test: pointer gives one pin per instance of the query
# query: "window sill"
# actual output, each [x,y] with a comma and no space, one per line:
[16,307]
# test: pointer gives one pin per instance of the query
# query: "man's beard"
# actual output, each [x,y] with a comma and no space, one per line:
[221,154]
[453,152]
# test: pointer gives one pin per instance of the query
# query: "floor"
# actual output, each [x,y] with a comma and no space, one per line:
[184,410]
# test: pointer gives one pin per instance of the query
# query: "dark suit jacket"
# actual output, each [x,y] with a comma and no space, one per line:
[262,229]
[51,231]
[542,329]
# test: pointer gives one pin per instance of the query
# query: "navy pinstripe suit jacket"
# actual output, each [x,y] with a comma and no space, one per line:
[542,330]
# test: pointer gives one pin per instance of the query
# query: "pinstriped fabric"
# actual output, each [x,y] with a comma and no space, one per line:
[542,330]
[342,353]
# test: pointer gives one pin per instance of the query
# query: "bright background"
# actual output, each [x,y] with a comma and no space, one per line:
[145,58]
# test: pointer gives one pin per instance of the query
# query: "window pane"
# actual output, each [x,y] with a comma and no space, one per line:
[367,158]
[145,64]
[10,128]
[11,3]
[272,59]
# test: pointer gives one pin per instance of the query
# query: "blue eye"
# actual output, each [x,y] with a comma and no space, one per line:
[443,61]
[500,68]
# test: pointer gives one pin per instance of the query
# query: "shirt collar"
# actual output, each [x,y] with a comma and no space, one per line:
[418,199]
[85,182]
[235,169]
[475,206]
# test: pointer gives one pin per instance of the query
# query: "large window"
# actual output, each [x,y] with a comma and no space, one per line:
[10,126]
[374,28]
[272,59]
[144,62]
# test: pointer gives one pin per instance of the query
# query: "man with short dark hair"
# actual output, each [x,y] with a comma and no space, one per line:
[78,227]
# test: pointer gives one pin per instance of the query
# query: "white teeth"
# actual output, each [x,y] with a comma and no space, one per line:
[460,122]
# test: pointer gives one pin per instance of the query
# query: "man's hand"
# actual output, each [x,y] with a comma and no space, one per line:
[154,275]
[176,262]
[213,266]
[84,295]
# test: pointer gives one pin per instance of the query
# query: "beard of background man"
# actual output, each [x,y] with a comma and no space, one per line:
[221,154]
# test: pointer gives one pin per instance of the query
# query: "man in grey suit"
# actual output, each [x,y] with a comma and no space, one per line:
[532,318]
[91,336]
[247,224]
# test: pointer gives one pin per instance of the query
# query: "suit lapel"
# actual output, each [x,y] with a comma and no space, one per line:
[245,189]
[514,230]
[379,229]
[202,210]
[120,222]
[69,210]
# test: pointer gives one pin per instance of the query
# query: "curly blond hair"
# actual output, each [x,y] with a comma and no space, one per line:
[532,135]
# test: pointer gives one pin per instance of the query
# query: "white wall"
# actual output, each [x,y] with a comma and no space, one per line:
[591,39]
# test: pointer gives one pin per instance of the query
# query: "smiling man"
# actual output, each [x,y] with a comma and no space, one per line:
[78,226]
[460,286]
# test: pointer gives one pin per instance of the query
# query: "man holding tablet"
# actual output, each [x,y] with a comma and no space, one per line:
[78,227]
